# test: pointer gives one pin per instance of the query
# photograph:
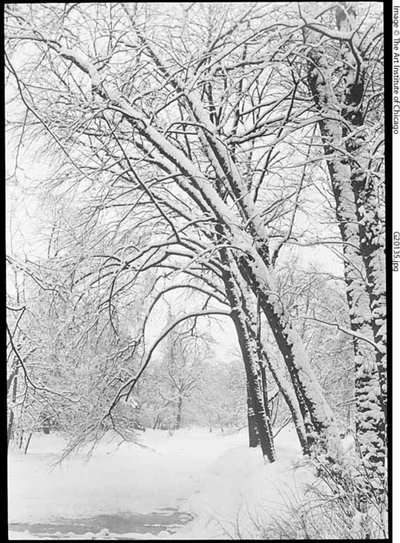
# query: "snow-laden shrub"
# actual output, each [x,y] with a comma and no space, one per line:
[345,502]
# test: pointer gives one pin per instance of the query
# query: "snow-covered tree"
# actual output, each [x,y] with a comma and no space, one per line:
[196,135]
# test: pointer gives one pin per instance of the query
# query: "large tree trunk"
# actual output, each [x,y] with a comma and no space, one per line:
[369,389]
[254,439]
[371,225]
[373,255]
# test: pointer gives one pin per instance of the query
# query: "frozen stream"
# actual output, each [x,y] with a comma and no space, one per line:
[168,520]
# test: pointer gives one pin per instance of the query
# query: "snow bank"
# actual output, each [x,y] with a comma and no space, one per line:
[117,478]
[239,491]
[213,476]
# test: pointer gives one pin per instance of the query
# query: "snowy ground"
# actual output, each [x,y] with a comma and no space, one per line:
[214,477]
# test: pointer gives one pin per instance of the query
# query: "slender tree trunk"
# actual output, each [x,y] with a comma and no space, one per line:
[28,441]
[21,439]
[293,405]
[179,412]
[156,422]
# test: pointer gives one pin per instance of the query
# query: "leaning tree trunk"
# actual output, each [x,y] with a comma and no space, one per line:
[315,411]
[292,403]
[284,387]
[249,351]
[288,395]
[247,347]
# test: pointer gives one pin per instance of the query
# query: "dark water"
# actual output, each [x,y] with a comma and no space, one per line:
[166,519]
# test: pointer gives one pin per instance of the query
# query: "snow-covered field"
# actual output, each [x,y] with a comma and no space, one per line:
[214,477]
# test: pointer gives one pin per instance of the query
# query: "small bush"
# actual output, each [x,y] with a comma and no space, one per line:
[345,502]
